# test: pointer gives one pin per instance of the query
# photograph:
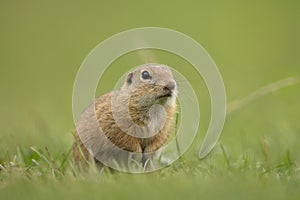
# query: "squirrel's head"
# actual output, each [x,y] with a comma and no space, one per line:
[151,84]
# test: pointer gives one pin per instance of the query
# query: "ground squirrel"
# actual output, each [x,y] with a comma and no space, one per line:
[136,119]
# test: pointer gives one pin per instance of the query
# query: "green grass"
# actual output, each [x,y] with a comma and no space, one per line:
[262,168]
[39,174]
[254,44]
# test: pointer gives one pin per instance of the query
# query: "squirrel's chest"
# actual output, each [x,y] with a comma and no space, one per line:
[153,123]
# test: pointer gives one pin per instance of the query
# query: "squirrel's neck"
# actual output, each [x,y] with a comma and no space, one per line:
[142,120]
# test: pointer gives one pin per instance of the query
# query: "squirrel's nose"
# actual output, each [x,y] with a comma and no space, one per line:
[170,86]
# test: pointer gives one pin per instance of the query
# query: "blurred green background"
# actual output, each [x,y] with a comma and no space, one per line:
[254,43]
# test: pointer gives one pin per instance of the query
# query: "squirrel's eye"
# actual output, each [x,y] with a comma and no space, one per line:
[146,75]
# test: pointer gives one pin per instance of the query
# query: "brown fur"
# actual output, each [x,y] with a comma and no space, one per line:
[142,96]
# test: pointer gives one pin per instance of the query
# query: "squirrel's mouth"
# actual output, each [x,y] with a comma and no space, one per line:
[167,91]
[165,96]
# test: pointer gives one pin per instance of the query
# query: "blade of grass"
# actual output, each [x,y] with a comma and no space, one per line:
[225,156]
[240,103]
[176,139]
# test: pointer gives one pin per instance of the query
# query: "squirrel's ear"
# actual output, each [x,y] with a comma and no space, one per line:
[129,78]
